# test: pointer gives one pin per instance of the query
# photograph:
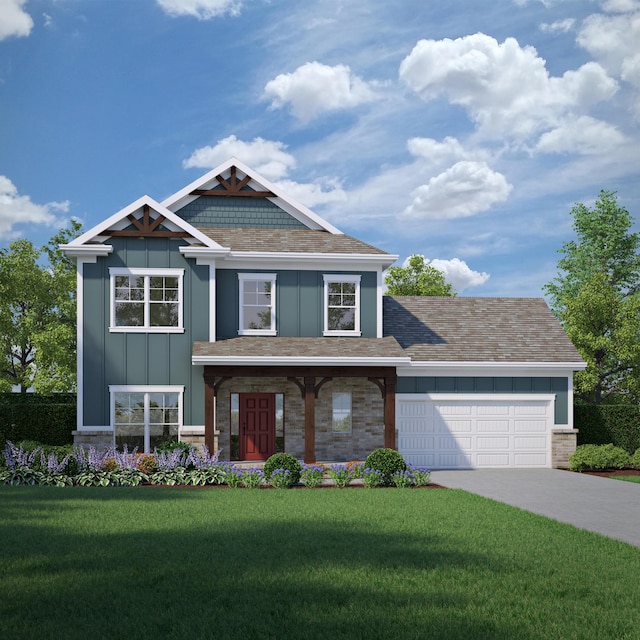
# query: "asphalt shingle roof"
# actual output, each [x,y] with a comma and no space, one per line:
[288,241]
[266,346]
[466,329]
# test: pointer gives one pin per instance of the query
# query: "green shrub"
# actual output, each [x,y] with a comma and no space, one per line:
[387,462]
[602,424]
[604,456]
[283,461]
[171,445]
[635,459]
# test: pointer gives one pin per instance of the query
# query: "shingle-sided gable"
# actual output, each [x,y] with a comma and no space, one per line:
[465,329]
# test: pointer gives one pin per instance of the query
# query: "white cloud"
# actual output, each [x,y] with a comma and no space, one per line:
[313,194]
[14,20]
[611,39]
[621,6]
[559,26]
[200,9]
[584,135]
[458,273]
[314,88]
[267,157]
[463,190]
[17,209]
[436,152]
[486,78]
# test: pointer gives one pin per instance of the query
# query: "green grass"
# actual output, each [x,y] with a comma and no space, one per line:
[635,479]
[330,564]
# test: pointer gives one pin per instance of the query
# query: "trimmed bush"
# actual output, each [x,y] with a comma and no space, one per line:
[45,419]
[387,461]
[604,456]
[635,459]
[283,461]
[603,424]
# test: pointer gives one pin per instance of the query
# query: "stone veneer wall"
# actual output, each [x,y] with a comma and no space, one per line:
[563,444]
[99,439]
[367,417]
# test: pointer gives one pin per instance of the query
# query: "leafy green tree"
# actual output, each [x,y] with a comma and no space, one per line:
[38,316]
[596,298]
[417,279]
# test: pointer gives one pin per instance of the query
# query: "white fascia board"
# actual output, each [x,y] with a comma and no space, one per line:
[120,219]
[87,252]
[481,369]
[282,200]
[287,260]
[476,397]
[203,255]
[284,361]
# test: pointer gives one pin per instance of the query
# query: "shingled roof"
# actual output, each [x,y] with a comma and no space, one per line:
[465,329]
[288,241]
[257,347]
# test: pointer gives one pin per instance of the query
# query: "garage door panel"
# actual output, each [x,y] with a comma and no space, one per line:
[492,426]
[530,409]
[529,426]
[475,433]
[493,460]
[494,409]
[489,444]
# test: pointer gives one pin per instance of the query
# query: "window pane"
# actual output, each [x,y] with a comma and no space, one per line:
[341,319]
[129,420]
[129,314]
[160,434]
[257,318]
[163,314]
[341,412]
[235,426]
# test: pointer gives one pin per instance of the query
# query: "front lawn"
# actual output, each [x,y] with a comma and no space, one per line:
[635,479]
[147,562]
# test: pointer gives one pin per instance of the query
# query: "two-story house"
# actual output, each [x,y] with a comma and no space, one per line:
[231,315]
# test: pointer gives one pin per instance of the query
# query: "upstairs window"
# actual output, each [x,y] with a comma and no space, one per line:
[146,300]
[257,304]
[341,305]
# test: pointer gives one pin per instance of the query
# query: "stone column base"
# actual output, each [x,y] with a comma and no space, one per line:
[563,444]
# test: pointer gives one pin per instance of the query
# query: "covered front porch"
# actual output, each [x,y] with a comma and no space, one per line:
[307,381]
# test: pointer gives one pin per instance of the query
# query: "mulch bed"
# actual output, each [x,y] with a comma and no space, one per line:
[607,473]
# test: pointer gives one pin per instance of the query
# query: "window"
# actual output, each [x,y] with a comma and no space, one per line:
[145,417]
[341,305]
[146,300]
[257,304]
[341,413]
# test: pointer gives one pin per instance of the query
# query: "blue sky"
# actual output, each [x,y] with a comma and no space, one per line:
[463,131]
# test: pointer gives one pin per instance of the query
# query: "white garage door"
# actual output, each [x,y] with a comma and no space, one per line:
[470,432]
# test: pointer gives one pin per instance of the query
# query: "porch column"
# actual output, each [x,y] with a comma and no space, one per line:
[390,412]
[209,411]
[309,420]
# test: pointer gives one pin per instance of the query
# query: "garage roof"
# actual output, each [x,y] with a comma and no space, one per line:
[477,330]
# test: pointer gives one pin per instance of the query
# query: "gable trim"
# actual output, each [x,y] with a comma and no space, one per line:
[257,183]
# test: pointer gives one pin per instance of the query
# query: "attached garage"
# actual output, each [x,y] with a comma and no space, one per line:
[453,431]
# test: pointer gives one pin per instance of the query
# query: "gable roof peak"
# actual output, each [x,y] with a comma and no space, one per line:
[234,178]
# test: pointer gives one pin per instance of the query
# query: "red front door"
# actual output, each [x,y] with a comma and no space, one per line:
[257,425]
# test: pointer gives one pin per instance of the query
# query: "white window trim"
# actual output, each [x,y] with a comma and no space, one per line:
[338,277]
[146,389]
[262,277]
[147,272]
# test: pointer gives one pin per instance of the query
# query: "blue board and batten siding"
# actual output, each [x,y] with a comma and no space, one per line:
[142,358]
[299,303]
[533,385]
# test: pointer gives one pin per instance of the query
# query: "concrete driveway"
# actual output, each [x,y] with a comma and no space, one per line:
[605,506]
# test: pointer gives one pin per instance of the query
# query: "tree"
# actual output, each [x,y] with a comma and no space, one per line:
[596,298]
[38,316]
[417,279]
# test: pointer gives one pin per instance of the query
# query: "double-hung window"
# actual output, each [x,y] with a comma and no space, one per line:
[146,300]
[257,304]
[145,417]
[341,418]
[341,305]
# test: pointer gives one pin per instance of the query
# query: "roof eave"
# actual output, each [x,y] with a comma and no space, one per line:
[314,361]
